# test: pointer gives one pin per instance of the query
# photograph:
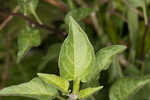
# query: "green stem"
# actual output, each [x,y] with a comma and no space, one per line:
[145,13]
[36,17]
[76,86]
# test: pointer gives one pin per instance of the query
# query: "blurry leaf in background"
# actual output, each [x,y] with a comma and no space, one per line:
[115,71]
[52,53]
[71,4]
[27,39]
[132,71]
[133,25]
[28,6]
[136,3]
[125,87]
[74,55]
[34,89]
[78,14]
[111,30]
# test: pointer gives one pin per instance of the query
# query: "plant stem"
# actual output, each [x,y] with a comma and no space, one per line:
[145,14]
[36,17]
[76,86]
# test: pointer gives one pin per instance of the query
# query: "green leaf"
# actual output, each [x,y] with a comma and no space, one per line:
[28,6]
[36,89]
[133,26]
[53,53]
[125,87]
[103,61]
[78,14]
[56,81]
[77,57]
[88,92]
[27,39]
[104,56]
[136,3]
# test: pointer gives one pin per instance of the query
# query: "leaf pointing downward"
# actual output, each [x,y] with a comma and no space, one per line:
[27,39]
[35,89]
[77,55]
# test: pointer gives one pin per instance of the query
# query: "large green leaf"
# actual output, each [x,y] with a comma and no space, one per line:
[125,87]
[103,61]
[56,81]
[78,14]
[88,92]
[77,57]
[34,89]
[27,39]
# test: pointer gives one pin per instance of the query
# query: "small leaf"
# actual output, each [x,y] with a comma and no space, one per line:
[88,92]
[27,39]
[104,56]
[56,81]
[77,56]
[78,14]
[36,89]
[28,6]
[103,61]
[125,87]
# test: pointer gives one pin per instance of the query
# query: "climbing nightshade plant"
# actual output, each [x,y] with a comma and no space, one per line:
[77,64]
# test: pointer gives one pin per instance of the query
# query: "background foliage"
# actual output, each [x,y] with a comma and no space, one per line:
[106,22]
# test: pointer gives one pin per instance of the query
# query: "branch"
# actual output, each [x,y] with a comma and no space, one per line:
[7,63]
[58,4]
[119,15]
[143,40]
[5,22]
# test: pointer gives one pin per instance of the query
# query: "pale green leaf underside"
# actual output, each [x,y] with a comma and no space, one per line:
[27,39]
[55,81]
[125,87]
[89,91]
[78,14]
[34,89]
[77,55]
